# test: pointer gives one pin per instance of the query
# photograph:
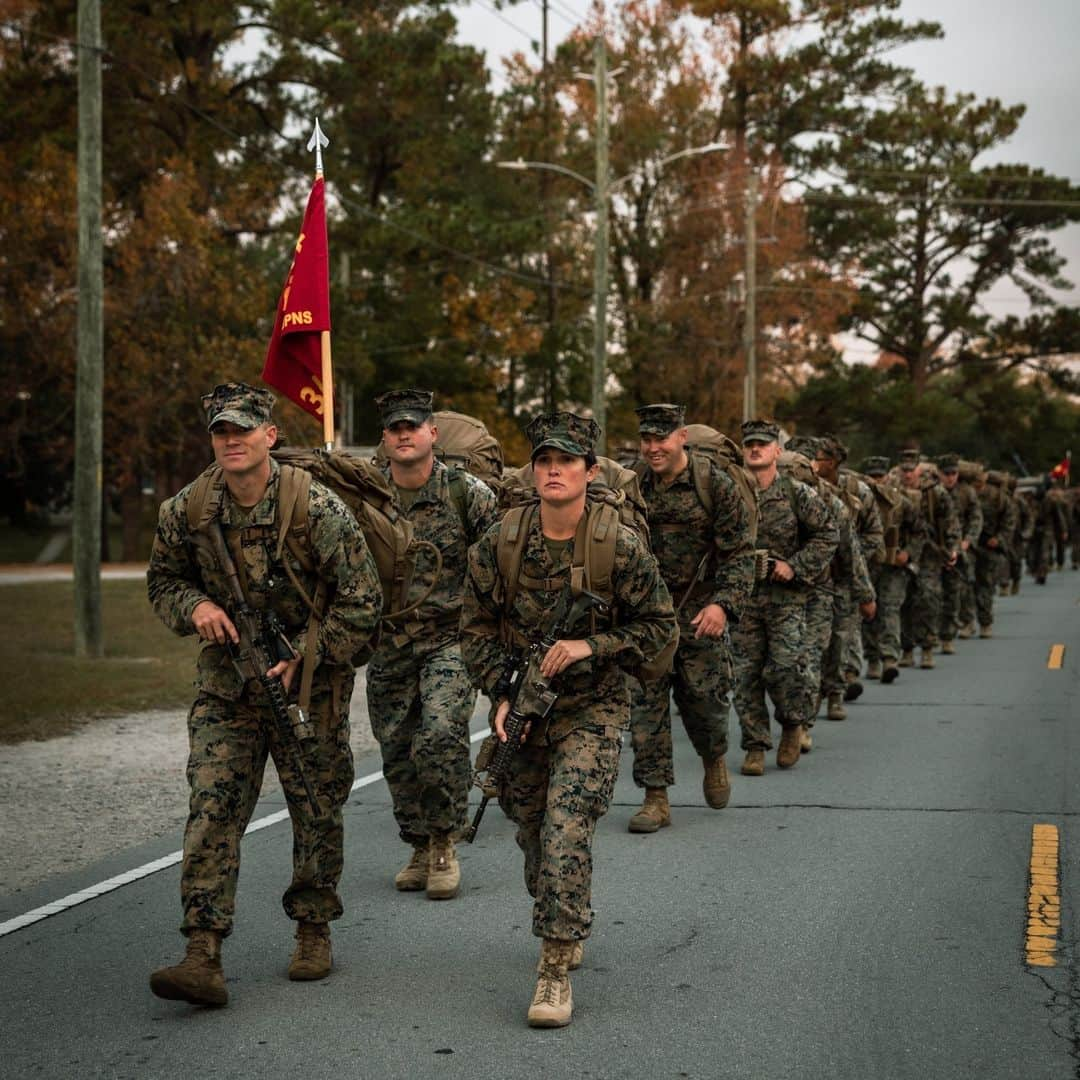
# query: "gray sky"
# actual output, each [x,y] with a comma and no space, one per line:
[1018,52]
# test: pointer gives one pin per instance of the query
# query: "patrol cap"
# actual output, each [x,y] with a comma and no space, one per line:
[238,403]
[909,458]
[831,447]
[802,444]
[411,405]
[660,419]
[949,463]
[876,466]
[760,431]
[564,431]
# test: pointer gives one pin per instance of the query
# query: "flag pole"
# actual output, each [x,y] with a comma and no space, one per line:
[317,141]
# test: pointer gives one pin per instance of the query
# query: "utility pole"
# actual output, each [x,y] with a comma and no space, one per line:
[89,378]
[551,376]
[599,371]
[750,315]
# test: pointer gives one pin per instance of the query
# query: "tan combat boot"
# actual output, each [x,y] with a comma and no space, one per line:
[806,742]
[986,631]
[553,1002]
[873,669]
[311,958]
[198,978]
[444,873]
[412,877]
[577,956]
[948,648]
[1015,590]
[655,812]
[927,658]
[967,631]
[787,753]
[907,658]
[836,709]
[715,785]
[754,763]
[890,672]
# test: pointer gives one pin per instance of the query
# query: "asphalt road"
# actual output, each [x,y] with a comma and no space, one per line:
[863,915]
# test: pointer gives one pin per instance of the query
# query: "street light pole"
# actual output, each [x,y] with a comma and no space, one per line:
[600,285]
[750,315]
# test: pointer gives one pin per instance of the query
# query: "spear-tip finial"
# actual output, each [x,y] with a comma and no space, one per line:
[317,141]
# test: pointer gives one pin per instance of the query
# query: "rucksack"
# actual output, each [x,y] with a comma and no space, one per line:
[713,444]
[363,488]
[890,504]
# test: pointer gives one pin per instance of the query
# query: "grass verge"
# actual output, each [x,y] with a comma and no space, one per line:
[49,692]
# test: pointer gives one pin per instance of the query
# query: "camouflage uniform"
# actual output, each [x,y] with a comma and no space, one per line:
[420,696]
[229,730]
[682,534]
[882,635]
[870,533]
[1050,524]
[769,640]
[1025,527]
[954,581]
[561,782]
[922,614]
[999,524]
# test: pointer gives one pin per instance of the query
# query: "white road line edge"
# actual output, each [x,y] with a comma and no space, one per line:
[102,887]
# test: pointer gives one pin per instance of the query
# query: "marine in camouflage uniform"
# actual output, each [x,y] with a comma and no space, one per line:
[969,512]
[229,727]
[420,696]
[796,539]
[1025,527]
[921,617]
[686,536]
[560,783]
[1051,523]
[904,538]
[998,525]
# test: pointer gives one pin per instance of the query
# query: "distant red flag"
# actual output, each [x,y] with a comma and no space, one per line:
[294,359]
[1061,470]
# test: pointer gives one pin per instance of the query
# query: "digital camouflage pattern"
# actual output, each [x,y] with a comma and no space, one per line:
[420,696]
[238,403]
[794,524]
[960,581]
[228,727]
[660,419]
[413,406]
[683,533]
[921,618]
[561,782]
[998,525]
[565,431]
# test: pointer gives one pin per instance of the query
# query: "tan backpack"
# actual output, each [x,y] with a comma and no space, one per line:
[715,445]
[464,443]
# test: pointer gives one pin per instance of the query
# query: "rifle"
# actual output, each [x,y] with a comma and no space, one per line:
[699,573]
[262,645]
[532,695]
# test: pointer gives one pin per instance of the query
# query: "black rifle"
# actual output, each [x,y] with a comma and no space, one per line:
[262,645]
[532,695]
[698,575]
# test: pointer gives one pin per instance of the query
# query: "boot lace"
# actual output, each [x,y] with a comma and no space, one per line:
[308,941]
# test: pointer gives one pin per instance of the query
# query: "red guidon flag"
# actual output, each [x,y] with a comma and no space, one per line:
[294,359]
[1061,470]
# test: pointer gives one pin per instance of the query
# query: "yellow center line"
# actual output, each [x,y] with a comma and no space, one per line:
[1057,657]
[1044,895]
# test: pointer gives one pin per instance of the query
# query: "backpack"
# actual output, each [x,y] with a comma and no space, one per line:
[364,490]
[890,505]
[613,499]
[710,443]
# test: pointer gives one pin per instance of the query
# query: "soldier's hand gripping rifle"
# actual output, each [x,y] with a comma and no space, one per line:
[532,696]
[262,645]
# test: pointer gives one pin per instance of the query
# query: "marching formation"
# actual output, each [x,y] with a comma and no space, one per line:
[579,594]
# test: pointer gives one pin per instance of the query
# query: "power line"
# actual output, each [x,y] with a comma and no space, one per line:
[513,25]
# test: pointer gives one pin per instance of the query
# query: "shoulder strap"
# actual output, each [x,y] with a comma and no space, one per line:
[510,549]
[702,475]
[294,499]
[459,496]
[204,499]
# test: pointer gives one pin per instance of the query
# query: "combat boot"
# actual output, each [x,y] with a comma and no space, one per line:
[948,648]
[836,710]
[1015,590]
[806,742]
[787,753]
[311,958]
[444,873]
[966,631]
[890,673]
[1003,590]
[577,956]
[412,877]
[907,658]
[927,661]
[655,812]
[873,669]
[853,690]
[553,1002]
[715,786]
[198,978]
[986,631]
[754,763]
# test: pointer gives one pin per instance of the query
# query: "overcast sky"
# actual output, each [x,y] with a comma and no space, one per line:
[1018,52]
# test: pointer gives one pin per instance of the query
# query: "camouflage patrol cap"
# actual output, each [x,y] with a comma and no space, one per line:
[803,444]
[829,446]
[876,466]
[949,463]
[760,431]
[411,405]
[563,431]
[909,458]
[238,403]
[660,419]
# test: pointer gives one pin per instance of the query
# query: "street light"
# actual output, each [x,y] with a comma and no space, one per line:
[601,189]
